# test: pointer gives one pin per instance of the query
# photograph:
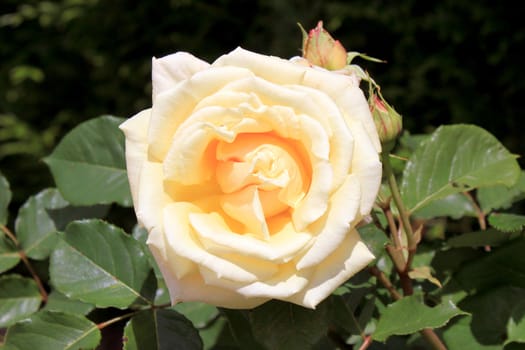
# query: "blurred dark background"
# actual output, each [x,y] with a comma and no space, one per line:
[66,61]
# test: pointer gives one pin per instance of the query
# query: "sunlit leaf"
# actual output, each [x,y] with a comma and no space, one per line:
[160,329]
[507,222]
[42,215]
[424,272]
[9,255]
[57,301]
[5,198]
[501,197]
[100,264]
[88,165]
[458,335]
[455,159]
[455,206]
[410,314]
[19,298]
[516,323]
[48,330]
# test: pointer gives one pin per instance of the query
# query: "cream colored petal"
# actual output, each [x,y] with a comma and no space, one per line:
[245,207]
[284,284]
[136,131]
[355,107]
[193,288]
[281,286]
[270,68]
[341,140]
[351,257]
[366,165]
[219,239]
[151,196]
[169,261]
[315,203]
[168,71]
[181,240]
[174,106]
[342,213]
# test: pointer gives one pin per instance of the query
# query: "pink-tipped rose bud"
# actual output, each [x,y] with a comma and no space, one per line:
[320,49]
[388,122]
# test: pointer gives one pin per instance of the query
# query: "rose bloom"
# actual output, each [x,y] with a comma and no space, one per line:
[250,175]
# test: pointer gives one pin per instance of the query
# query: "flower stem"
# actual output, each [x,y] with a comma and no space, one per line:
[412,242]
[396,196]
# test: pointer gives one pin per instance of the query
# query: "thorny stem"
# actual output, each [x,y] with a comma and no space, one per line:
[381,277]
[412,242]
[25,260]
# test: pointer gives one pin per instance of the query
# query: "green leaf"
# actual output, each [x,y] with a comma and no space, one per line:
[458,336]
[492,312]
[5,198]
[501,197]
[9,256]
[409,315]
[59,302]
[507,222]
[455,159]
[19,298]
[199,314]
[89,166]
[100,264]
[505,265]
[240,329]
[455,206]
[42,215]
[374,238]
[490,237]
[516,323]
[48,330]
[159,329]
[280,325]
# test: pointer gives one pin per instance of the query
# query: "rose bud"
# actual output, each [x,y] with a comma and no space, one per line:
[320,49]
[388,122]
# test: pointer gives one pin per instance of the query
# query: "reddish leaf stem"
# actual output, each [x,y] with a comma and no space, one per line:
[25,260]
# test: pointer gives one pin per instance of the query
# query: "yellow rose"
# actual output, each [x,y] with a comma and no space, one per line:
[250,175]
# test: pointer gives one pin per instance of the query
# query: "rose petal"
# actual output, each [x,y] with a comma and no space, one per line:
[173,107]
[152,197]
[180,239]
[168,71]
[341,216]
[283,285]
[351,257]
[366,165]
[219,239]
[136,131]
[193,288]
[245,207]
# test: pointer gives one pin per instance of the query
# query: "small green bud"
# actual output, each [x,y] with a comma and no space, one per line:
[388,122]
[320,49]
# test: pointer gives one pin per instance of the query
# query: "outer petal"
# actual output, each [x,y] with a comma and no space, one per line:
[136,131]
[169,70]
[351,257]
[340,218]
[366,165]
